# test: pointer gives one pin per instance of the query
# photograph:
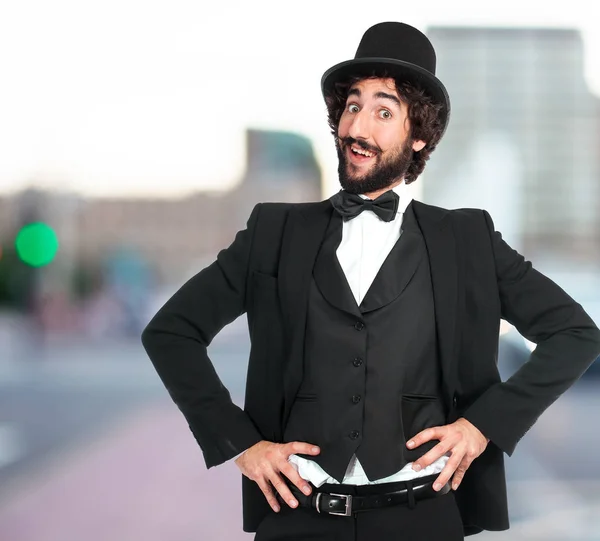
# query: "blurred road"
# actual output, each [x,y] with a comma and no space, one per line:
[91,447]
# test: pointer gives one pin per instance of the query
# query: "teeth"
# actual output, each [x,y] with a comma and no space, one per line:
[363,152]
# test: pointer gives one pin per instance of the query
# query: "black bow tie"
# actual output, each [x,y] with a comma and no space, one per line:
[350,205]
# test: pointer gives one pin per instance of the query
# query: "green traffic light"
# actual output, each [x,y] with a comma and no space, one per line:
[36,244]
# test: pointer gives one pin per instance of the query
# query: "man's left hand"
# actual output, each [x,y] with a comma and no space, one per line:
[462,439]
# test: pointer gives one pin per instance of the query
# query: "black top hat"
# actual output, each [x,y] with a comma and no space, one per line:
[403,52]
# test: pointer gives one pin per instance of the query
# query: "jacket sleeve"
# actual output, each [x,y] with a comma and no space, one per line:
[176,340]
[567,341]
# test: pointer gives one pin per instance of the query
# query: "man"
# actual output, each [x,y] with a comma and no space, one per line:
[373,408]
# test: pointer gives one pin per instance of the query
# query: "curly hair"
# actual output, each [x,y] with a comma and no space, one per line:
[423,116]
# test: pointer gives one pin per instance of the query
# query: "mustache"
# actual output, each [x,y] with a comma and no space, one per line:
[348,141]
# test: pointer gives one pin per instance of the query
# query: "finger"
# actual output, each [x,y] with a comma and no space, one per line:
[431,456]
[291,473]
[301,447]
[450,467]
[460,473]
[268,492]
[433,433]
[284,491]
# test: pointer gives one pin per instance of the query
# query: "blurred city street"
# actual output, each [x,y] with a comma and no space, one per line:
[91,447]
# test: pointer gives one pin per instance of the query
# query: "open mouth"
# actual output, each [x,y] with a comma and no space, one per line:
[359,155]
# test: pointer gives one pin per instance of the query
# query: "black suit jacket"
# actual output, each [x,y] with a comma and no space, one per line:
[477,279]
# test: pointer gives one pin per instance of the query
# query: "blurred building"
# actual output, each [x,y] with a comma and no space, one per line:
[8,215]
[523,140]
[281,166]
[180,236]
[174,237]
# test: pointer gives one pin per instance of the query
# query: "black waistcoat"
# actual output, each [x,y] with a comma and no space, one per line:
[371,372]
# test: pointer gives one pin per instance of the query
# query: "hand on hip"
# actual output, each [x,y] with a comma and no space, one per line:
[264,463]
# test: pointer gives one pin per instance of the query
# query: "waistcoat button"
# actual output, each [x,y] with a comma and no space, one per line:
[356,399]
[354,434]
[357,361]
[359,325]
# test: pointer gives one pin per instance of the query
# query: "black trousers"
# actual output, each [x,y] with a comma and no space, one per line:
[430,520]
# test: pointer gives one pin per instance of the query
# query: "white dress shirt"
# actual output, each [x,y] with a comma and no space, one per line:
[366,242]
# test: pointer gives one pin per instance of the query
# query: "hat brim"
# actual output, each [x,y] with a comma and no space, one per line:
[395,68]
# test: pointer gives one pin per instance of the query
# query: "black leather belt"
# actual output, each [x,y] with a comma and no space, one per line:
[335,503]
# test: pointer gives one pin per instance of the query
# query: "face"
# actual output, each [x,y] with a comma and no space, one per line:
[373,143]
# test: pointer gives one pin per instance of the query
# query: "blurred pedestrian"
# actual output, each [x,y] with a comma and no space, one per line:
[374,408]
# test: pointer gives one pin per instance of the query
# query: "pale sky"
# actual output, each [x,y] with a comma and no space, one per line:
[131,97]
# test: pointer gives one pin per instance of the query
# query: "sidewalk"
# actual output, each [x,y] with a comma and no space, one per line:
[144,480]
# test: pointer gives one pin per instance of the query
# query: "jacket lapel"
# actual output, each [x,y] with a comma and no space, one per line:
[398,268]
[304,232]
[328,273]
[436,226]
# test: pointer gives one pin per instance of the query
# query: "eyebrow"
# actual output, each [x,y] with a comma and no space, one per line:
[381,95]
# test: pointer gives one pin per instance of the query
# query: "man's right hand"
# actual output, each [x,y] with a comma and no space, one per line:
[264,461]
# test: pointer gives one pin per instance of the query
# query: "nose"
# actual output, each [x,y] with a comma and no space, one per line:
[359,126]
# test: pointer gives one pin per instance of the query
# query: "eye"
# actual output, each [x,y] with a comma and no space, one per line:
[353,108]
[385,114]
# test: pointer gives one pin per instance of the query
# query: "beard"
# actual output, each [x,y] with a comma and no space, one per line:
[382,174]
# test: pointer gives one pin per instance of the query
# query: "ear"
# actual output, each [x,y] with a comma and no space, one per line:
[418,145]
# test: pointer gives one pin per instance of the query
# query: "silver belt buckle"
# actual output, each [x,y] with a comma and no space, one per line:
[348,505]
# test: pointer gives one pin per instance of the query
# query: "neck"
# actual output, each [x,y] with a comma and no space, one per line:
[376,194]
